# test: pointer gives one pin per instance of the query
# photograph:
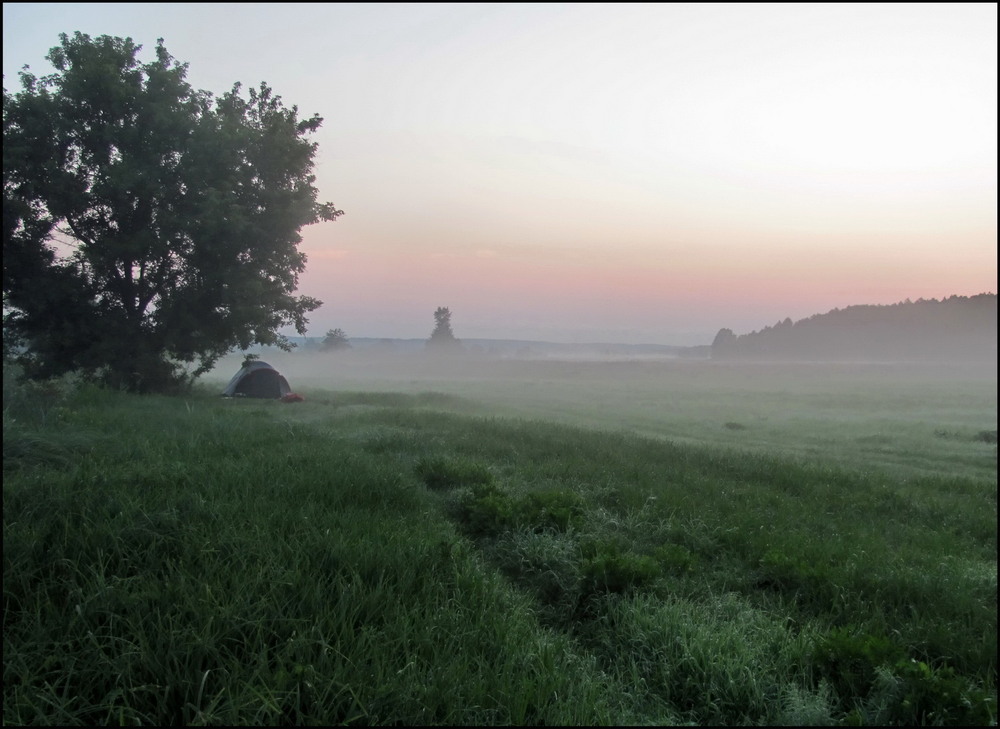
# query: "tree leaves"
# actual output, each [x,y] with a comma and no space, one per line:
[175,215]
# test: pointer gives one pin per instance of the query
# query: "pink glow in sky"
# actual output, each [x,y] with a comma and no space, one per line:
[634,173]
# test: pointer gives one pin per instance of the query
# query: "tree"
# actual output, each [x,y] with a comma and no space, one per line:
[724,343]
[335,339]
[149,228]
[442,336]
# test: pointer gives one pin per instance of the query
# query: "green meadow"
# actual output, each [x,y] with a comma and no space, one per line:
[476,541]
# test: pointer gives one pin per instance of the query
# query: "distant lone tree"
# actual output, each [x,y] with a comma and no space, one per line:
[335,340]
[149,228]
[724,341]
[442,336]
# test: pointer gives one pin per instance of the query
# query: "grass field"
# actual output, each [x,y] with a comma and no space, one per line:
[911,419]
[506,543]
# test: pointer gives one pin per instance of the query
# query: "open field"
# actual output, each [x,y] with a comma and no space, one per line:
[911,419]
[431,541]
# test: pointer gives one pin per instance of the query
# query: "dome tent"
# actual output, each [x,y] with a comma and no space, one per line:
[257,379]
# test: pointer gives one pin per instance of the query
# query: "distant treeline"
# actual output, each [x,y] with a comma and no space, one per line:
[956,328]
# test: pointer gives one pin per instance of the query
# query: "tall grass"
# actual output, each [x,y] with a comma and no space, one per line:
[374,559]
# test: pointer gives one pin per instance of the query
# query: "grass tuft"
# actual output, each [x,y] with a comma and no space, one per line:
[438,472]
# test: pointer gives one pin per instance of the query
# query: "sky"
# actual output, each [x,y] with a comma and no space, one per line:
[644,173]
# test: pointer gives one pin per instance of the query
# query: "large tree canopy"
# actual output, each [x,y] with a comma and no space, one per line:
[149,228]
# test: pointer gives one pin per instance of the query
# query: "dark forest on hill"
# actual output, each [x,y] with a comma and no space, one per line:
[958,328]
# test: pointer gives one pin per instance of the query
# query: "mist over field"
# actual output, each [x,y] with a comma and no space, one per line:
[509,533]
[909,416]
